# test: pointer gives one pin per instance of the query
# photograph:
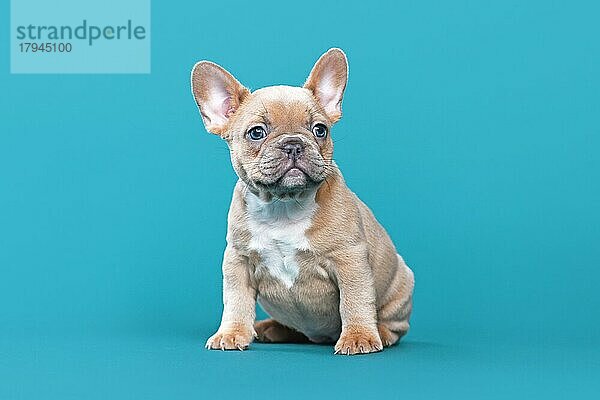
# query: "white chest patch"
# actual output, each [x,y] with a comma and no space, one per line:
[278,232]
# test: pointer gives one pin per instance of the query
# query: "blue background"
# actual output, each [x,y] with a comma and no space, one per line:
[470,128]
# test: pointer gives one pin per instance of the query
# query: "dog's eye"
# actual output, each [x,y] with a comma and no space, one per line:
[257,133]
[320,131]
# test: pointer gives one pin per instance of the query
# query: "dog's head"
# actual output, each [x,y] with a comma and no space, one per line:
[279,136]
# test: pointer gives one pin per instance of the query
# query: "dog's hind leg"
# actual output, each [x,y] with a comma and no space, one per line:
[393,316]
[271,331]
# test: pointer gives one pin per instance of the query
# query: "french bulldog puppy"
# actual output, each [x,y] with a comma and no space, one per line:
[298,240]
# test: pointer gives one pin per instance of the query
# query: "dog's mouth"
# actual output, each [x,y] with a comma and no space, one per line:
[294,172]
[294,178]
[281,176]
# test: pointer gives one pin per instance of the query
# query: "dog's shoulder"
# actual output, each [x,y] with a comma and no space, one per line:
[337,220]
[238,233]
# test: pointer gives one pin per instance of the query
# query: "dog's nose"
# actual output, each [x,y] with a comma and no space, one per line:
[293,149]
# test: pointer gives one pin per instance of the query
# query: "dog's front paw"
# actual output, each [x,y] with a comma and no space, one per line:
[230,339]
[358,340]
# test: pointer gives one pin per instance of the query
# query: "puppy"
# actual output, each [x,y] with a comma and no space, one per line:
[299,241]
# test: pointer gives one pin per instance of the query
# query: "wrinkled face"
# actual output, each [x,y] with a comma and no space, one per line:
[280,142]
[279,136]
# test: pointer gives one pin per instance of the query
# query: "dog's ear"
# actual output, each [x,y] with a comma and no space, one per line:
[327,81]
[217,93]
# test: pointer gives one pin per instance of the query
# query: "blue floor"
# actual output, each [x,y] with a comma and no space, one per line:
[176,366]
